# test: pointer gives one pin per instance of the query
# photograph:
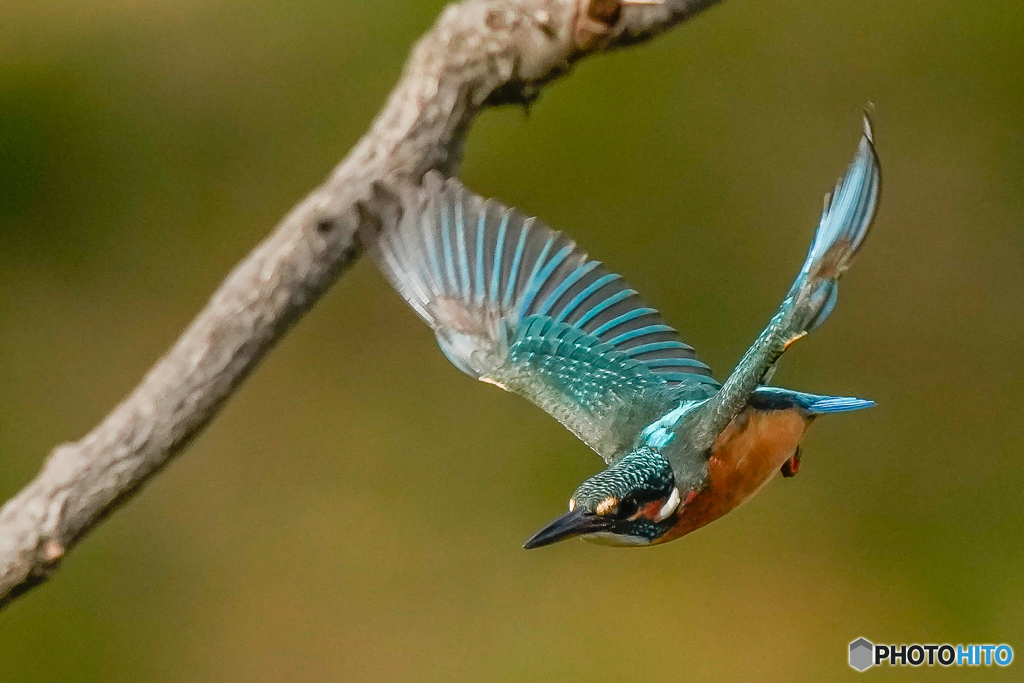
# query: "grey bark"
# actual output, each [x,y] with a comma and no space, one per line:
[479,53]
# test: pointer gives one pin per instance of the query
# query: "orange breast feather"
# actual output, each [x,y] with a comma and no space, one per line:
[743,459]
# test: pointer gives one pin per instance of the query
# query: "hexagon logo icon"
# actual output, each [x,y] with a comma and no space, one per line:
[862,654]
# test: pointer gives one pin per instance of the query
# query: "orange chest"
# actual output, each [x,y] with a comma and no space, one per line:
[744,458]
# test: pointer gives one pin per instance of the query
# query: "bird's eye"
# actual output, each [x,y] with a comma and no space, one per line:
[628,507]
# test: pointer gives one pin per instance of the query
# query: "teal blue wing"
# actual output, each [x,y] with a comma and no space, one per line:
[845,221]
[517,304]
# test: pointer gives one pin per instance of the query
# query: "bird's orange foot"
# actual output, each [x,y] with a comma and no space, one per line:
[791,466]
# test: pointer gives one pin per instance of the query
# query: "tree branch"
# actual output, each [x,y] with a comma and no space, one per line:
[479,53]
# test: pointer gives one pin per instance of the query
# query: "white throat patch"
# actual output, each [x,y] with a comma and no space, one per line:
[608,538]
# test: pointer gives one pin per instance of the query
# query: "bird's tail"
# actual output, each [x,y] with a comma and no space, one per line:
[845,220]
[777,398]
[826,405]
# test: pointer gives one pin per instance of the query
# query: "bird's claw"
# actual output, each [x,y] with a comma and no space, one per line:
[791,466]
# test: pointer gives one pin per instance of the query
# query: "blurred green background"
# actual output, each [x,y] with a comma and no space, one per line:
[357,511]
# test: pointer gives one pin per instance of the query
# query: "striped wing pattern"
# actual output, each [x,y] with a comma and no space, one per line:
[517,304]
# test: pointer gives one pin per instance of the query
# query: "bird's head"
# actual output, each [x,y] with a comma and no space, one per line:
[633,502]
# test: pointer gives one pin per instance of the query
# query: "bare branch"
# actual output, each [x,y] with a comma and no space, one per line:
[479,53]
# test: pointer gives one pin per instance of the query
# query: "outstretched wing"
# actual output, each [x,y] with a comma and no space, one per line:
[517,304]
[845,221]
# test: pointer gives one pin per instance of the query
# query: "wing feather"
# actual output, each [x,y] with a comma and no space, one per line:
[517,304]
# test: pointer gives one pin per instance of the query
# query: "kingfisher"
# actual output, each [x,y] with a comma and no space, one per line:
[519,305]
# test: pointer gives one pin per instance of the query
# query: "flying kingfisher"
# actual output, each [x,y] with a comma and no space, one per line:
[519,305]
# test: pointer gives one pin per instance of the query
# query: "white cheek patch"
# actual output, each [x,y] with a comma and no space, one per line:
[670,506]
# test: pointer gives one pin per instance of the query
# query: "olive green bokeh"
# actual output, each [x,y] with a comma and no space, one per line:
[357,511]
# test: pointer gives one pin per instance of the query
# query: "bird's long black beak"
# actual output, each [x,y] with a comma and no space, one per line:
[569,525]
